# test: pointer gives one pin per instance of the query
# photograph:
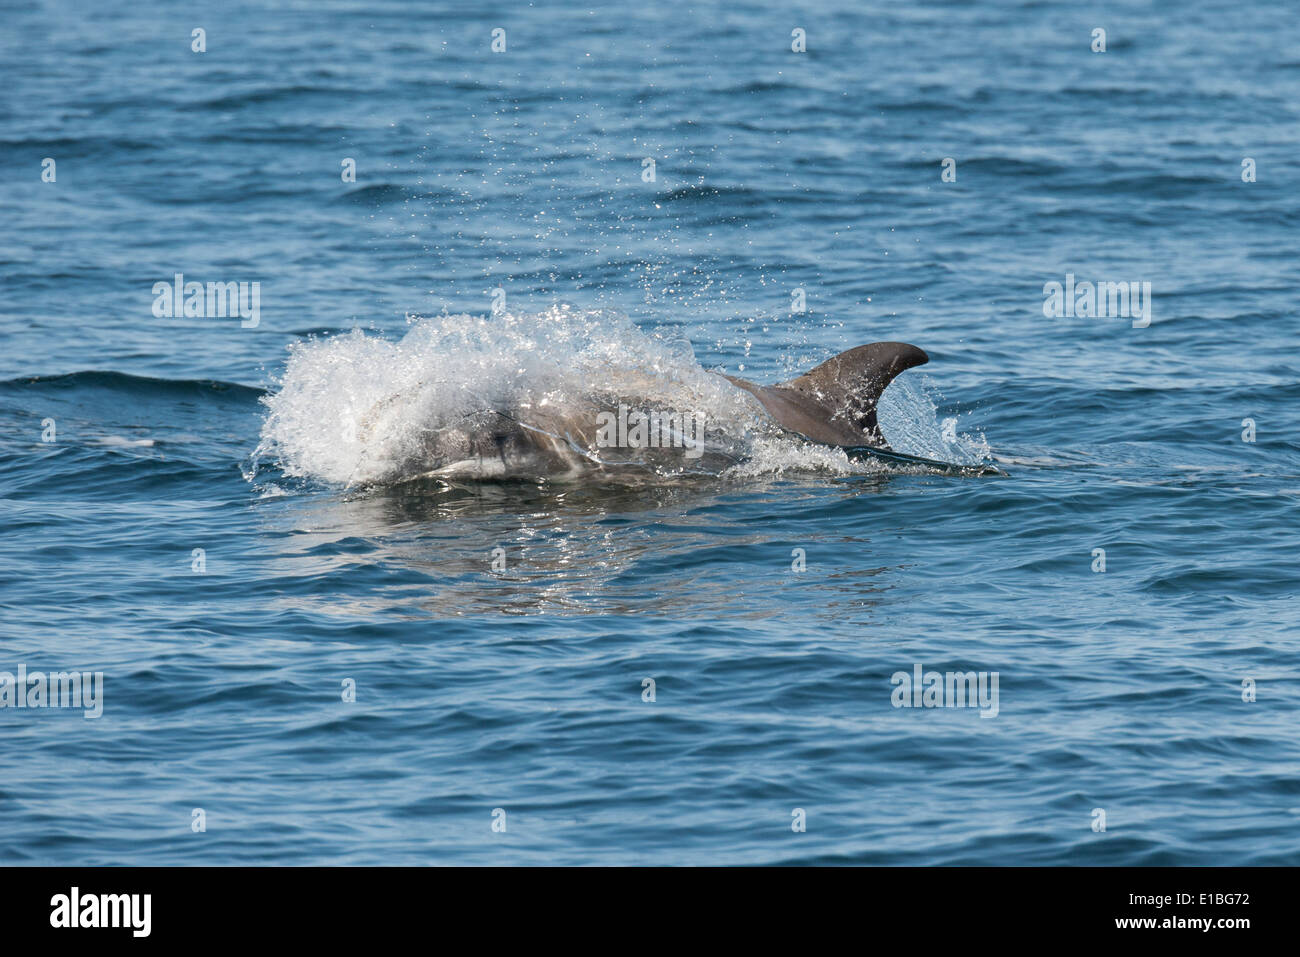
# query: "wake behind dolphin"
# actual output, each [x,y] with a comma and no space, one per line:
[567,394]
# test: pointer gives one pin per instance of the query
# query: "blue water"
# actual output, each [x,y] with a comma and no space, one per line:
[521,688]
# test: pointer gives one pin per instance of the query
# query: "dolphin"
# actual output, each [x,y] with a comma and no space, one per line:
[833,404]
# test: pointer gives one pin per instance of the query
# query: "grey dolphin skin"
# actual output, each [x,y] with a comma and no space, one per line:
[835,403]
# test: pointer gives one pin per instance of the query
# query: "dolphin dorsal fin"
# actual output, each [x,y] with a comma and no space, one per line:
[851,382]
[835,403]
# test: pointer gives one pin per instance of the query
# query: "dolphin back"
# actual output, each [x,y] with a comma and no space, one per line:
[835,403]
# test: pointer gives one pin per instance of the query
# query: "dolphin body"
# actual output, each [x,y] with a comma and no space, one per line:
[833,404]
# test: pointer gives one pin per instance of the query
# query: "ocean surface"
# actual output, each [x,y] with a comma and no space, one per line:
[204,509]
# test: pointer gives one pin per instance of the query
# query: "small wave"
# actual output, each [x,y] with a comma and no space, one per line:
[266,94]
[704,191]
[125,382]
[380,194]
